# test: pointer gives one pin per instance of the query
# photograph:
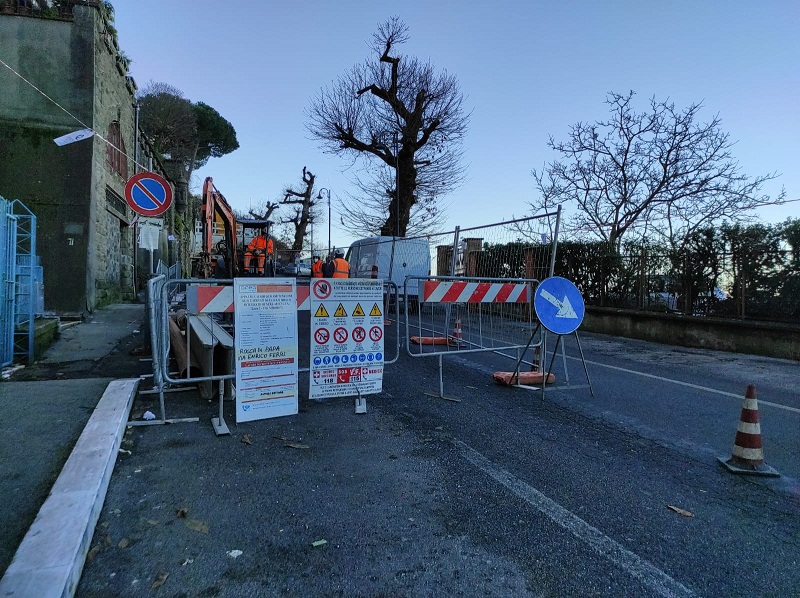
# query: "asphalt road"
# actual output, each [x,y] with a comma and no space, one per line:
[502,493]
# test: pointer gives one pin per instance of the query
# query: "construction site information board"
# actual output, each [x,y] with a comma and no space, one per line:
[346,337]
[266,347]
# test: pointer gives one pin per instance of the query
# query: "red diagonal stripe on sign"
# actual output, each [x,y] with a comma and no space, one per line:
[452,293]
[302,296]
[146,191]
[505,291]
[480,292]
[207,294]
[428,289]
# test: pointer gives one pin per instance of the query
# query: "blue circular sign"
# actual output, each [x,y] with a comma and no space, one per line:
[148,194]
[362,357]
[558,305]
[345,358]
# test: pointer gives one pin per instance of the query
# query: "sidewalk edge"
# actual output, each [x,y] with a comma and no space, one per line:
[50,559]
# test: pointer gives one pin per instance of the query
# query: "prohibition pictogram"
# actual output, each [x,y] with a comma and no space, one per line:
[359,334]
[375,333]
[322,289]
[340,335]
[322,336]
[148,194]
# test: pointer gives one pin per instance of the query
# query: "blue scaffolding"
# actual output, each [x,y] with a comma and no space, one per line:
[21,288]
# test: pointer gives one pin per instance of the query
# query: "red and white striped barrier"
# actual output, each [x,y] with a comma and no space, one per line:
[203,299]
[437,291]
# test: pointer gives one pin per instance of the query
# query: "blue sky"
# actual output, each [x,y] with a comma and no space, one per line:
[528,70]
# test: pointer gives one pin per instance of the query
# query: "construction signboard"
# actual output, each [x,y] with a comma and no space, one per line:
[346,337]
[266,348]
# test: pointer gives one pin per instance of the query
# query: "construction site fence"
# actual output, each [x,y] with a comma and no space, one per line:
[481,290]
[472,316]
[201,343]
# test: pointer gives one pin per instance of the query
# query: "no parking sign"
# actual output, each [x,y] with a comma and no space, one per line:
[148,194]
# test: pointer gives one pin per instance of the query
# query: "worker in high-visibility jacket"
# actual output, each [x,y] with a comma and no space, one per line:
[316,267]
[257,247]
[341,269]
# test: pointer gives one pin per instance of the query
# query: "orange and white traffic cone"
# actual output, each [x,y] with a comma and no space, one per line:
[457,336]
[748,451]
[536,365]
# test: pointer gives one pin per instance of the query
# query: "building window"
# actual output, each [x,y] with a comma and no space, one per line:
[116,205]
[115,151]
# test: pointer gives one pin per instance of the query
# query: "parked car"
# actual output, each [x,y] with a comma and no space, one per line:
[297,269]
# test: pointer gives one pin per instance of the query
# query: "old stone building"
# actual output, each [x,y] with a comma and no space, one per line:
[62,71]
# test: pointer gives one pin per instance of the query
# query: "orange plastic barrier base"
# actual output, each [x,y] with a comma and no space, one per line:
[429,340]
[526,378]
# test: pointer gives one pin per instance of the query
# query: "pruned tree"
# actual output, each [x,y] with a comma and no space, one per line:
[399,112]
[657,172]
[182,131]
[303,203]
[265,212]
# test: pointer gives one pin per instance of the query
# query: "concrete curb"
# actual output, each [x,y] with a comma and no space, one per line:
[50,559]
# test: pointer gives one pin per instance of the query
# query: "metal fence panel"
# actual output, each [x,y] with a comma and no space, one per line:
[8,259]
[21,291]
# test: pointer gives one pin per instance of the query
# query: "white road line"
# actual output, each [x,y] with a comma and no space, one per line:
[648,574]
[689,384]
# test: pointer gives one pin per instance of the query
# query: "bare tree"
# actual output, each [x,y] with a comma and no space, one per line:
[303,202]
[265,212]
[400,112]
[659,172]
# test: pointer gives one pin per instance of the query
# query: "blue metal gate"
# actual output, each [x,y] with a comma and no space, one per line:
[21,291]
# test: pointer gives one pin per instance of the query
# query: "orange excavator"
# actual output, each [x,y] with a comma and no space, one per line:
[225,258]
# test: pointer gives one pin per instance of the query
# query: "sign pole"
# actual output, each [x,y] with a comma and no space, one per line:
[560,309]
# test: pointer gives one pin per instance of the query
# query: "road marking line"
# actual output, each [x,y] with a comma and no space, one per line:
[689,384]
[647,573]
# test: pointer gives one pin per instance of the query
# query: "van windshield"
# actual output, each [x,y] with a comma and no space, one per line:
[366,256]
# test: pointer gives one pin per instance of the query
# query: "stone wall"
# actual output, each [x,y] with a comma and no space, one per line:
[53,182]
[85,240]
[754,338]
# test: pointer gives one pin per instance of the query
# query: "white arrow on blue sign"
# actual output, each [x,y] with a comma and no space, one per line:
[558,305]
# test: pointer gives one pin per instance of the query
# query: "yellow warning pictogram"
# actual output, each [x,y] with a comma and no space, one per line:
[375,311]
[321,312]
[358,311]
[340,312]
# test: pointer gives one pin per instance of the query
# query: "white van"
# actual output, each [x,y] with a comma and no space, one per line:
[391,258]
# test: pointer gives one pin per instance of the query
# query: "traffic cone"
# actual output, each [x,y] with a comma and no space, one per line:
[456,338]
[536,365]
[748,452]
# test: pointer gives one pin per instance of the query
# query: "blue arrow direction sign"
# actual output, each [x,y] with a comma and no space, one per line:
[148,194]
[559,305]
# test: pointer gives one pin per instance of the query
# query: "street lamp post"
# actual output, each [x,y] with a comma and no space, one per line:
[319,196]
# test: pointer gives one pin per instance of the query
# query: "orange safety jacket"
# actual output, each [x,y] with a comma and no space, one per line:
[257,243]
[341,268]
[316,269]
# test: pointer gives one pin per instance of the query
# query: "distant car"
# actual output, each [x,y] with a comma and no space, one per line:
[297,269]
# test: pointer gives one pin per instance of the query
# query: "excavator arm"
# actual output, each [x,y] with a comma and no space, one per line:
[215,203]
